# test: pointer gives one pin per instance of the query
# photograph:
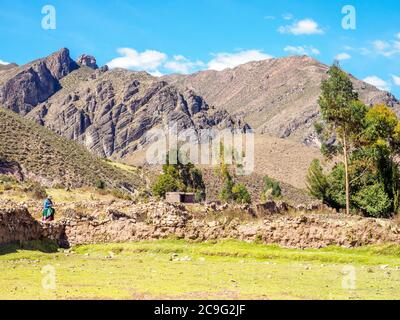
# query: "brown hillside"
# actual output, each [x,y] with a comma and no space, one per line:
[42,155]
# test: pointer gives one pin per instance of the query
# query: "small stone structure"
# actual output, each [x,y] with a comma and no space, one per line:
[180,197]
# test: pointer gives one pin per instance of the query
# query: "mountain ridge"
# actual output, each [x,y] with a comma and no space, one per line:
[108,111]
[277,96]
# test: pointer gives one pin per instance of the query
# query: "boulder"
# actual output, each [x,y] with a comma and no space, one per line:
[88,61]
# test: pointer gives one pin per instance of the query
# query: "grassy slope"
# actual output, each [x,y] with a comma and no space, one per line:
[53,158]
[224,270]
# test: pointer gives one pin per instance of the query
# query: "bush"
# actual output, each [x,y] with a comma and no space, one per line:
[165,183]
[318,127]
[100,184]
[240,194]
[200,196]
[373,200]
[271,187]
[336,194]
[226,193]
[179,177]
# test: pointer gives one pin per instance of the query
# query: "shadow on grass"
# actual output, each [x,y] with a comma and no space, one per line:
[45,246]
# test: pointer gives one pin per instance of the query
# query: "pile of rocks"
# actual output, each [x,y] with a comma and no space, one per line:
[167,215]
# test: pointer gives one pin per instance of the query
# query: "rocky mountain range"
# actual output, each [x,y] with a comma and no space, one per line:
[110,111]
[277,97]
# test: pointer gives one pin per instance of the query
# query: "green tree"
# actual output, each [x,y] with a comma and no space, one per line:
[230,191]
[226,193]
[179,177]
[165,183]
[316,181]
[343,115]
[383,144]
[373,200]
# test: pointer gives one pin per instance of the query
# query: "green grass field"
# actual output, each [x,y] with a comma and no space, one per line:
[173,269]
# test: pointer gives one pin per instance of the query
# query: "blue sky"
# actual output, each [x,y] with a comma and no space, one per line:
[187,35]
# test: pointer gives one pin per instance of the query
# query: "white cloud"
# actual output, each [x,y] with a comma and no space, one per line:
[149,60]
[348,48]
[343,56]
[287,16]
[398,35]
[156,73]
[181,64]
[302,27]
[302,50]
[3,62]
[223,60]
[365,51]
[396,80]
[377,82]
[386,48]
[381,45]
[157,63]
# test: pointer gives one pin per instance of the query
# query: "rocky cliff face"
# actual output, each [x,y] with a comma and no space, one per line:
[275,96]
[107,111]
[88,61]
[22,89]
[110,111]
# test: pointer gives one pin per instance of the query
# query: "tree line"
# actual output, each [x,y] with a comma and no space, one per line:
[363,142]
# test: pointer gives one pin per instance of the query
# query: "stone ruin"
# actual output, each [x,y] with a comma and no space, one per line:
[127,221]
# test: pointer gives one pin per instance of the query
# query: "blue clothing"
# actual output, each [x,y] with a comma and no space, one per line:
[47,204]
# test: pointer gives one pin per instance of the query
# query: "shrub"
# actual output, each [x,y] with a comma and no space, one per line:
[200,196]
[99,184]
[318,127]
[271,188]
[336,194]
[226,193]
[165,183]
[179,177]
[373,200]
[240,194]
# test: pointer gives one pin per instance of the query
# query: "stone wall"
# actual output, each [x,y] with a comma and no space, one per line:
[17,225]
[160,221]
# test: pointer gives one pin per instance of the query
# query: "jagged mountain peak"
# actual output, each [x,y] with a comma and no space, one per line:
[23,88]
[88,61]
